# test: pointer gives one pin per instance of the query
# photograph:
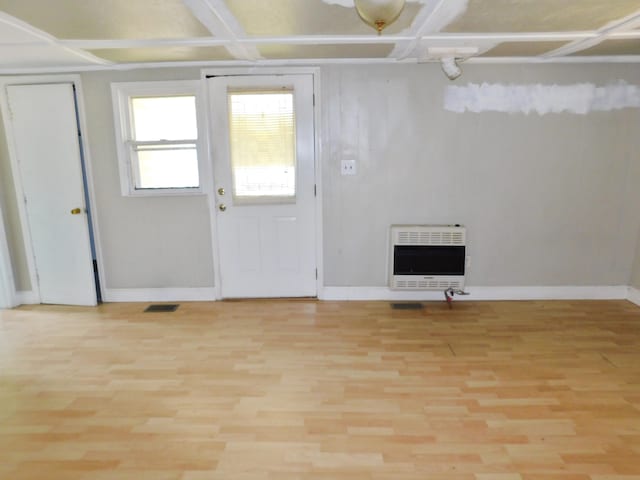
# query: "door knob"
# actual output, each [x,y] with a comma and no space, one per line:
[76,211]
[222,207]
[221,191]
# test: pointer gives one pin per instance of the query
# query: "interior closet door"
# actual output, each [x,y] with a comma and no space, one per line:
[46,143]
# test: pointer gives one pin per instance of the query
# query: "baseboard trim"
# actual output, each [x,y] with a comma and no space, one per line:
[481,293]
[159,294]
[634,295]
[27,297]
[374,293]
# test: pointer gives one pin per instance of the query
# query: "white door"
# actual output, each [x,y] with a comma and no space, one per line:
[46,144]
[263,161]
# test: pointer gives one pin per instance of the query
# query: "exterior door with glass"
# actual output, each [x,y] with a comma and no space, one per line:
[263,159]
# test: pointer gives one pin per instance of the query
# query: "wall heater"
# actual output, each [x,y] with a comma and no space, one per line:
[427,257]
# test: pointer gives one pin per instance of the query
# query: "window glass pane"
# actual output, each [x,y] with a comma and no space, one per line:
[169,167]
[164,118]
[263,146]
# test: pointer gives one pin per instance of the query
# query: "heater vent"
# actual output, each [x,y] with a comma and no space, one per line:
[429,237]
[427,257]
[427,285]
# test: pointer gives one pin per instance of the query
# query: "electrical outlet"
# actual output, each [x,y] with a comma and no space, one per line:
[348,167]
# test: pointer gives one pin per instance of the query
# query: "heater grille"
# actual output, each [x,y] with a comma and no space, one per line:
[427,284]
[429,237]
[427,257]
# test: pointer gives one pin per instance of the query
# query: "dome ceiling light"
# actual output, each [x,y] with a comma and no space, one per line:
[379,13]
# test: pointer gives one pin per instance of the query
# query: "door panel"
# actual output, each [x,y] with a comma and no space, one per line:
[264,170]
[45,136]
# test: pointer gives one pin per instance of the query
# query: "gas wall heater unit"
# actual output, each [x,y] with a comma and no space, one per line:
[427,257]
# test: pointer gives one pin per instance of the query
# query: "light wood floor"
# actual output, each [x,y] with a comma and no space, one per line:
[321,390]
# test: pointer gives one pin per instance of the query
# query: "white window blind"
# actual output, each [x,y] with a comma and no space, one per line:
[262,143]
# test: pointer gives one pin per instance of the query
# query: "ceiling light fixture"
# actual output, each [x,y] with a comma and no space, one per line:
[450,58]
[450,67]
[379,13]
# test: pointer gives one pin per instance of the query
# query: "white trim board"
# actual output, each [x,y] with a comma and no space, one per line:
[316,62]
[481,293]
[27,297]
[7,284]
[201,294]
[633,295]
[207,294]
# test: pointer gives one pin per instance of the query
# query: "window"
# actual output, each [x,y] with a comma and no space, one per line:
[157,135]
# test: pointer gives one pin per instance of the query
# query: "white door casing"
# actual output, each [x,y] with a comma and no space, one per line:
[45,139]
[7,285]
[265,248]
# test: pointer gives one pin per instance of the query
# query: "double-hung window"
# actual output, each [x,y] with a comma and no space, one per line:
[157,135]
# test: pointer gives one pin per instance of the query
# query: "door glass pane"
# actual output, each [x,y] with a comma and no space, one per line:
[262,144]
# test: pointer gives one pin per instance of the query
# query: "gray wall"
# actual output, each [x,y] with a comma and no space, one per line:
[548,200]
[147,242]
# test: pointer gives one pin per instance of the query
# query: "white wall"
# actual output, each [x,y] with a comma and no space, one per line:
[13,228]
[547,200]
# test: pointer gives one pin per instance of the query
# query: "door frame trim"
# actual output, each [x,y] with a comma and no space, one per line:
[17,180]
[7,284]
[317,133]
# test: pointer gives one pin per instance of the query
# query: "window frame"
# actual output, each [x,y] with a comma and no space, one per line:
[121,93]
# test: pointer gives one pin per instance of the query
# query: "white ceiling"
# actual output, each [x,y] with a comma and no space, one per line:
[45,35]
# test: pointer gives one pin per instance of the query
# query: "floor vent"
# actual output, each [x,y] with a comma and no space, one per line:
[165,307]
[406,306]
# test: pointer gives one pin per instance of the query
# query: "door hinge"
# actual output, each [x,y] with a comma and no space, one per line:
[313,97]
[315,190]
[316,273]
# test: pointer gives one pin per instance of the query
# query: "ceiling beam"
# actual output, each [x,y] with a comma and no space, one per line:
[578,60]
[625,25]
[467,38]
[40,38]
[218,19]
[434,16]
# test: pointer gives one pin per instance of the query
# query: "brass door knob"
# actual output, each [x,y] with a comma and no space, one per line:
[222,207]
[221,191]
[76,211]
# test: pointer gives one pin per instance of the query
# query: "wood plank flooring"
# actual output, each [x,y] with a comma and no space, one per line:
[321,390]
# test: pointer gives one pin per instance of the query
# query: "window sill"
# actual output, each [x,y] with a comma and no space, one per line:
[165,192]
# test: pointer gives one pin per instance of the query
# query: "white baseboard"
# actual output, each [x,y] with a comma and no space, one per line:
[481,293]
[634,295]
[27,297]
[374,293]
[159,294]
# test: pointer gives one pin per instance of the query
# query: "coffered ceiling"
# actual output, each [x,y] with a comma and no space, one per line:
[49,35]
